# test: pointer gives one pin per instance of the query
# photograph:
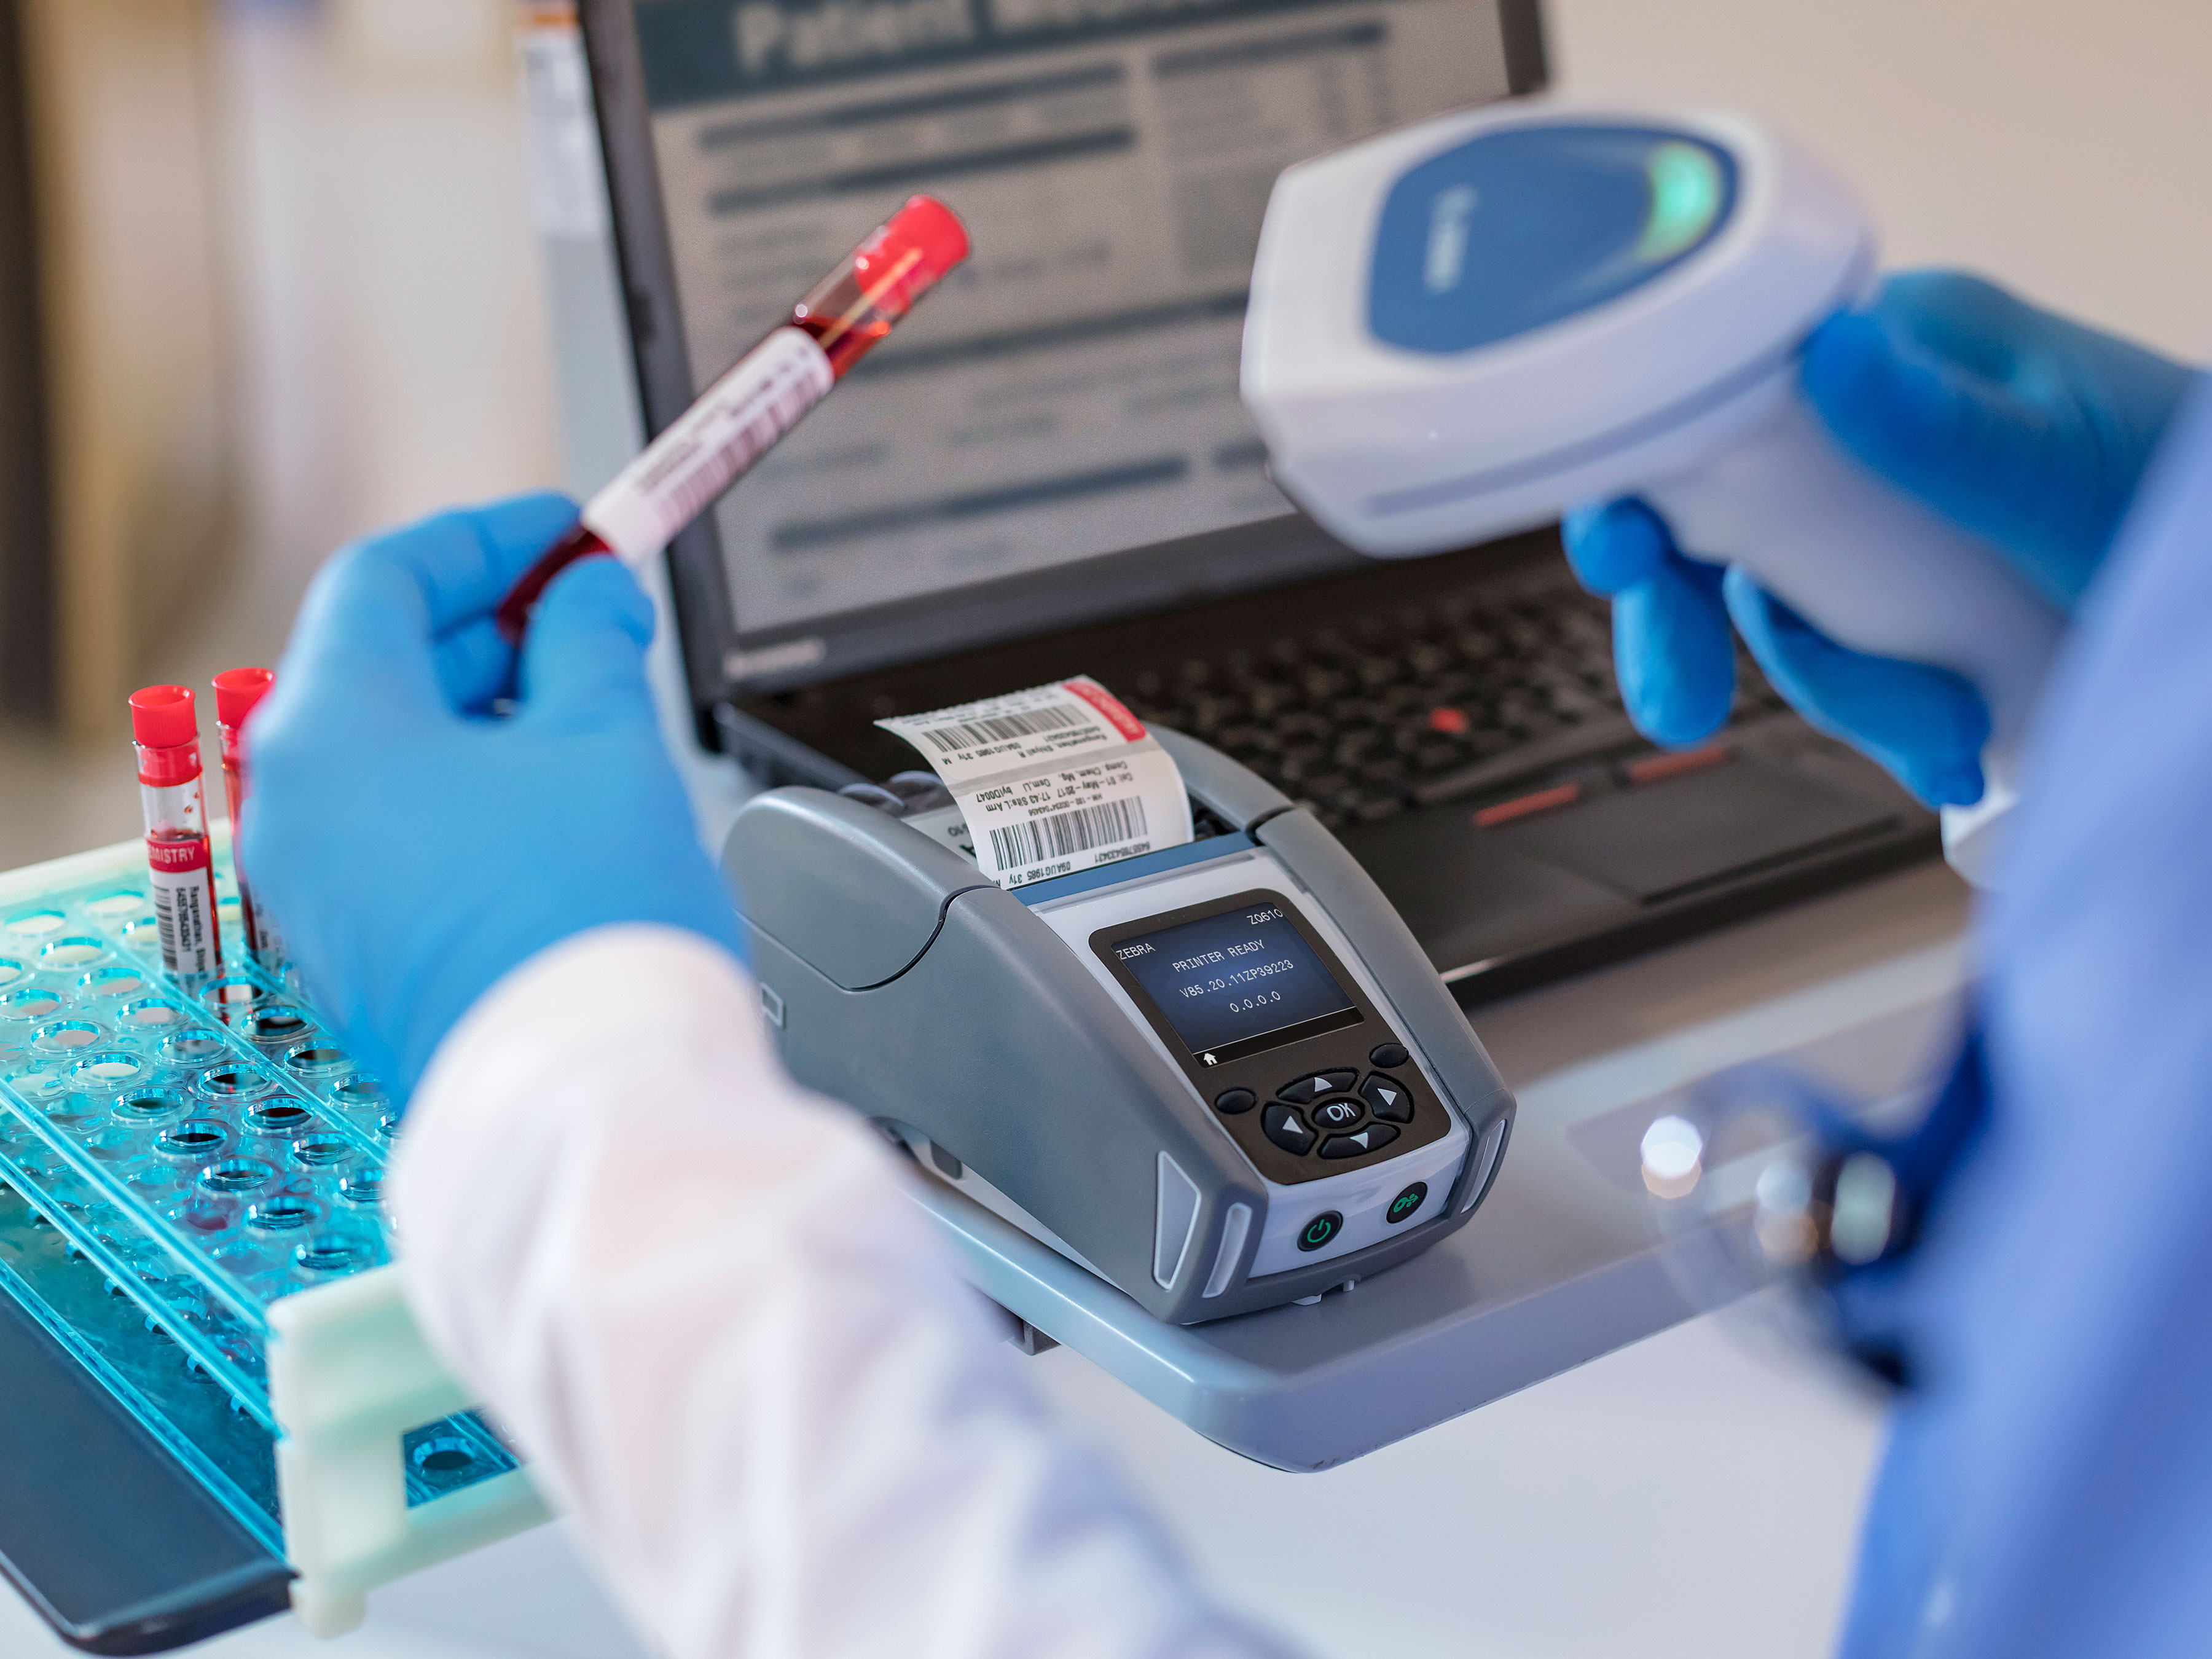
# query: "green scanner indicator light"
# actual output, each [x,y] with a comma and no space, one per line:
[1685,194]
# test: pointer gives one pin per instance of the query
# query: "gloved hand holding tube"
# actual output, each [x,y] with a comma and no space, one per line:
[520,830]
[464,842]
[2028,430]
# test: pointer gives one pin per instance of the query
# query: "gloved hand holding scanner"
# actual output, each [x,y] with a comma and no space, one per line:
[2018,426]
[1550,307]
[1667,331]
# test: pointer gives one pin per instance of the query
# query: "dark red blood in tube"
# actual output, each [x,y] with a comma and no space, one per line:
[521,601]
[238,692]
[845,314]
[858,303]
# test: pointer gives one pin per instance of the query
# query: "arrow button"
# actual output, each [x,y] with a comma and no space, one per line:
[1287,1130]
[1373,1138]
[1308,1090]
[1388,1098]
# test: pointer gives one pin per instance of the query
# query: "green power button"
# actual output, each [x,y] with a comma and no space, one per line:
[1406,1203]
[1318,1231]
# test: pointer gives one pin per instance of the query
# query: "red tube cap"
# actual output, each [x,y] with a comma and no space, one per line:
[925,235]
[236,691]
[162,717]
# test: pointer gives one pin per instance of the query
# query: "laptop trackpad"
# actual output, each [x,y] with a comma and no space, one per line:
[1668,840]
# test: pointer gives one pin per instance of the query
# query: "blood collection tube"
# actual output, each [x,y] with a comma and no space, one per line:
[236,691]
[167,732]
[741,417]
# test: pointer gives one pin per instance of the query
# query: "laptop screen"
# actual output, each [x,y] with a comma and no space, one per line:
[1068,396]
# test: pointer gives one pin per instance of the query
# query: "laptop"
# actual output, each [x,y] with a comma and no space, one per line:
[1047,471]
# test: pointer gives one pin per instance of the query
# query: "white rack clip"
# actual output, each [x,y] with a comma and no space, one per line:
[349,1375]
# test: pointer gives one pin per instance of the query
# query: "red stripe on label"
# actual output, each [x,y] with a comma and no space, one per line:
[176,857]
[1108,705]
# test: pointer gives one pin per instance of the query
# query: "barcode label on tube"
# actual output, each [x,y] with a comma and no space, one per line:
[1051,780]
[184,904]
[712,445]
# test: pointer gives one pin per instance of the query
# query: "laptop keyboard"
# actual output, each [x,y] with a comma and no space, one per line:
[1483,687]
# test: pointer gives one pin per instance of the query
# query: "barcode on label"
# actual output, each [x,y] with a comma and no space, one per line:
[999,728]
[679,456]
[709,446]
[687,484]
[165,922]
[1062,832]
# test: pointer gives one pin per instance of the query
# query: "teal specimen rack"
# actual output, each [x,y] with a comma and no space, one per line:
[199,1275]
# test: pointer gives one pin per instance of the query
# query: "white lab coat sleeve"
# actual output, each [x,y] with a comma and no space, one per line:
[699,1299]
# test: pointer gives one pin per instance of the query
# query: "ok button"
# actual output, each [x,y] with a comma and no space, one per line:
[1337,1114]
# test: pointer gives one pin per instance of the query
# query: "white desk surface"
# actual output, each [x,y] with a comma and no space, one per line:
[1695,1494]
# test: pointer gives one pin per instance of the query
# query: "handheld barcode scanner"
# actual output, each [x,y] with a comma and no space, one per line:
[1468,326]
[1221,1076]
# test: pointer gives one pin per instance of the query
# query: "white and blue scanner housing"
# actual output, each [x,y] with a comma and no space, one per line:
[1460,328]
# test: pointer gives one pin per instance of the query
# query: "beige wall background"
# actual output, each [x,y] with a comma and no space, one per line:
[359,172]
[121,111]
[390,313]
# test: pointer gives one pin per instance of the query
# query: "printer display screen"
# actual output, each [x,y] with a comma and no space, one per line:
[1238,981]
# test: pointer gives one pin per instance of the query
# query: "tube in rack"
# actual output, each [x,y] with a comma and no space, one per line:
[166,730]
[236,691]
[746,412]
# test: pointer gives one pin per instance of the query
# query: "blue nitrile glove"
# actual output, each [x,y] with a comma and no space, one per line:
[411,845]
[2028,429]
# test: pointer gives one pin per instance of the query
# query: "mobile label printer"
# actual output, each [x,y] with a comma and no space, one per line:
[1220,1075]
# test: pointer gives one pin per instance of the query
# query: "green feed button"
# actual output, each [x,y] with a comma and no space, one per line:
[1406,1203]
[1322,1228]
